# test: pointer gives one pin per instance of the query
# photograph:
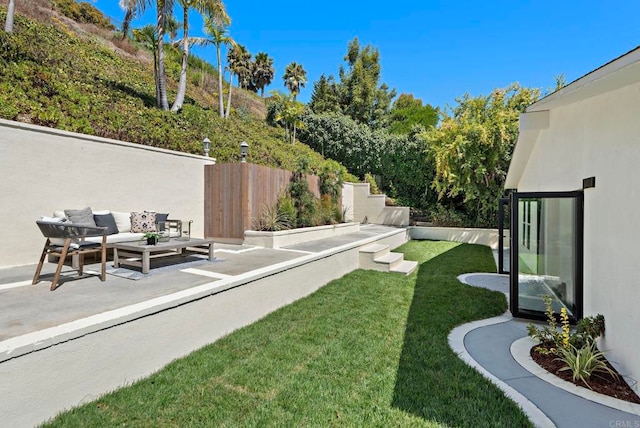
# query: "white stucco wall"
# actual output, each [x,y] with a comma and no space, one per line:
[363,207]
[600,136]
[488,237]
[42,170]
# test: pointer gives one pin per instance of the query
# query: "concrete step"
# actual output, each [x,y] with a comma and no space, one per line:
[406,267]
[370,253]
[377,250]
[378,257]
[390,260]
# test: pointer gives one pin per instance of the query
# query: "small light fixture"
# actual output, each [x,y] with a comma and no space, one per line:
[244,148]
[207,146]
[588,183]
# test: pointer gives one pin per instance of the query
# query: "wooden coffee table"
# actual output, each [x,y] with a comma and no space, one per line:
[137,253]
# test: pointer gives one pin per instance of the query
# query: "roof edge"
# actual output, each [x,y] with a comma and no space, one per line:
[622,61]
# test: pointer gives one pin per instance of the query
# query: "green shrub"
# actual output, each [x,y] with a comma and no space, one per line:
[304,199]
[332,176]
[373,186]
[447,217]
[89,14]
[589,329]
[83,12]
[326,211]
[287,208]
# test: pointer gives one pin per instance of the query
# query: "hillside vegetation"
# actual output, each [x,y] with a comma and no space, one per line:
[57,73]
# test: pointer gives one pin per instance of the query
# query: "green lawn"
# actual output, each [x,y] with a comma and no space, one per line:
[369,349]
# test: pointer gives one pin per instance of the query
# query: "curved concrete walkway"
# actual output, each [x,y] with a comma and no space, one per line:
[499,349]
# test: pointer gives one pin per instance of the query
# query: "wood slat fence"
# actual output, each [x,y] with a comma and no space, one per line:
[236,193]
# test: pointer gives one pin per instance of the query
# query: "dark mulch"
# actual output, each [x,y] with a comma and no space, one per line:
[603,383]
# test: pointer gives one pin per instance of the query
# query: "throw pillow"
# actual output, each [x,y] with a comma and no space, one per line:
[83,217]
[106,220]
[143,222]
[123,221]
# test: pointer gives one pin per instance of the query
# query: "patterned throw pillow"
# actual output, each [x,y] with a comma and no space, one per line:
[143,222]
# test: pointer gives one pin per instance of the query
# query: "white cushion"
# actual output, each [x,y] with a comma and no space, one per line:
[118,237]
[59,214]
[101,212]
[123,220]
[53,219]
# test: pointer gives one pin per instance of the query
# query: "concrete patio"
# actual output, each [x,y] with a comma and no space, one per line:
[65,347]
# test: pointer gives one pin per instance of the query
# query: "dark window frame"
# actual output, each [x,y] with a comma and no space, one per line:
[579,256]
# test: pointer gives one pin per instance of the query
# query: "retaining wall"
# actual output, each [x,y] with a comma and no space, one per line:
[44,169]
[487,237]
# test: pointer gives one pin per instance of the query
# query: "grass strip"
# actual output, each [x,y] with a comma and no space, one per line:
[369,349]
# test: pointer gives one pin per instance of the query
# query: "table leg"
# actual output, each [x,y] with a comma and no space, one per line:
[211,256]
[145,262]
[116,261]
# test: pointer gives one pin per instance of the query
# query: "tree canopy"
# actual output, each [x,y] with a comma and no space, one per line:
[295,77]
[359,93]
[471,148]
[408,112]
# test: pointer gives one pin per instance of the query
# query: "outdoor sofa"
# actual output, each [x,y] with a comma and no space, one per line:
[121,226]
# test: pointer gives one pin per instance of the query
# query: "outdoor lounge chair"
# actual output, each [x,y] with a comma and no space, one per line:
[67,239]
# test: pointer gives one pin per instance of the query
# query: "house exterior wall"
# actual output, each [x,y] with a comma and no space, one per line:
[43,169]
[600,137]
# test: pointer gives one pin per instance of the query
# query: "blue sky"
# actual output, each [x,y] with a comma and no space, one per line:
[435,50]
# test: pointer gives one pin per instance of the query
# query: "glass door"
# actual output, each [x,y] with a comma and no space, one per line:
[546,253]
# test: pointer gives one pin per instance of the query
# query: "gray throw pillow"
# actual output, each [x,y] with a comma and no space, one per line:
[106,220]
[160,219]
[83,217]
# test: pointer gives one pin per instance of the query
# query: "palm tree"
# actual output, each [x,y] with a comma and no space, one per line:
[148,37]
[215,10]
[239,60]
[163,9]
[132,9]
[263,71]
[171,26]
[226,115]
[8,23]
[294,77]
[219,36]
[288,111]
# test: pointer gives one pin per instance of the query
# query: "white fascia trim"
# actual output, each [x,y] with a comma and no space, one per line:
[603,79]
